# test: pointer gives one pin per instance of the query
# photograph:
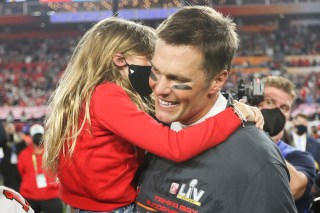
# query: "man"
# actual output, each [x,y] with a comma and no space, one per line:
[279,96]
[302,140]
[246,173]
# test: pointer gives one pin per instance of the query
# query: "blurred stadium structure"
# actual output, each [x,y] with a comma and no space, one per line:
[279,37]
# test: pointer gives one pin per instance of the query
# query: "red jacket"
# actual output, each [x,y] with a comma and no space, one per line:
[99,175]
[28,187]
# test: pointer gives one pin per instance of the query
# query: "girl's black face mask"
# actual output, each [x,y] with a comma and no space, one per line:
[139,79]
[274,121]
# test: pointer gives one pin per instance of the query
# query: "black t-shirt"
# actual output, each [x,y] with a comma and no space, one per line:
[245,174]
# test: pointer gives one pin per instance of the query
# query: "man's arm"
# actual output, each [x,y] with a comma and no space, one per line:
[302,173]
[298,181]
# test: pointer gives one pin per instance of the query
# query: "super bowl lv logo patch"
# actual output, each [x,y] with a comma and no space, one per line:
[188,192]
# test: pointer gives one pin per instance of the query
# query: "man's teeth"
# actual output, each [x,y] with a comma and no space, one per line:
[164,103]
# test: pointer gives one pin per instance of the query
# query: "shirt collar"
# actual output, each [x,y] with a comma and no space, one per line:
[218,106]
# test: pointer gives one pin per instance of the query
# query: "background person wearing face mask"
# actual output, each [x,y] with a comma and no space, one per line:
[302,140]
[37,187]
[279,96]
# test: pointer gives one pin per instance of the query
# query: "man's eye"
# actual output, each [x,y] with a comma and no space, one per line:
[268,101]
[153,76]
[285,109]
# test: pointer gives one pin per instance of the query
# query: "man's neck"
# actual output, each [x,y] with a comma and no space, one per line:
[218,106]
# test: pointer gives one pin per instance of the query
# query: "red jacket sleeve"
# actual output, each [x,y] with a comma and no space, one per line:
[113,109]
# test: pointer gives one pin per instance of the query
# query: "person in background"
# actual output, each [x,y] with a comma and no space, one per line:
[98,126]
[37,187]
[244,174]
[10,117]
[12,202]
[3,139]
[315,133]
[13,145]
[279,97]
[302,140]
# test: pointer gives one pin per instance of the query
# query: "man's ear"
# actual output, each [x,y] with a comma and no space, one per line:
[119,60]
[218,82]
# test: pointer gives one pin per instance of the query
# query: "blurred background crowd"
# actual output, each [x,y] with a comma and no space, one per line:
[37,39]
[277,37]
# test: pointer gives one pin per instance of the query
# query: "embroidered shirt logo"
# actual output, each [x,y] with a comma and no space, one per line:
[189,193]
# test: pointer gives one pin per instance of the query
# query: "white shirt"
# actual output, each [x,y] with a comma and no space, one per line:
[300,141]
[219,106]
[12,202]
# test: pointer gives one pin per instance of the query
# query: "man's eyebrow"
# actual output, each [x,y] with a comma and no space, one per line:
[268,97]
[179,78]
[172,76]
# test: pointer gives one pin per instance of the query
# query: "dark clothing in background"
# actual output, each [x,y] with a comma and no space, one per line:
[2,135]
[46,206]
[313,147]
[9,170]
[303,162]
[2,142]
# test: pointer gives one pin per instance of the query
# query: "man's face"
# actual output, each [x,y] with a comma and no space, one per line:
[300,121]
[177,80]
[277,98]
[301,125]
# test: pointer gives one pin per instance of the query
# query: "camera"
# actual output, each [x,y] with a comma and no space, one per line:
[253,92]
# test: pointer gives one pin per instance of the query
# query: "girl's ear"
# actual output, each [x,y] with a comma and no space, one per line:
[119,60]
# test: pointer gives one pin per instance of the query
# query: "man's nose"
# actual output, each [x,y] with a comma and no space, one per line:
[285,113]
[162,87]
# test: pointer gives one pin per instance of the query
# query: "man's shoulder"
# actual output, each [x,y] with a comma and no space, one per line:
[251,133]
[248,148]
[252,141]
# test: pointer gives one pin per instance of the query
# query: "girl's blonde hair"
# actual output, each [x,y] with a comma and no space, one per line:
[90,65]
